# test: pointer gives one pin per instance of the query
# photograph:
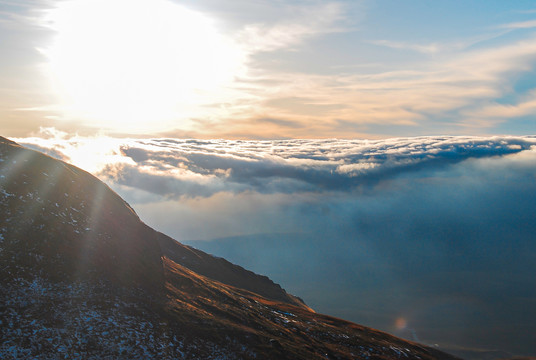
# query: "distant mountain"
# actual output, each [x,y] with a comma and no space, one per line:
[83,278]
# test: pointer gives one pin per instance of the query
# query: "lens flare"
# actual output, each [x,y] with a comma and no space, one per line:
[401,323]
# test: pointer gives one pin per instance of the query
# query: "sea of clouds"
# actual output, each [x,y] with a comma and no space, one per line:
[437,231]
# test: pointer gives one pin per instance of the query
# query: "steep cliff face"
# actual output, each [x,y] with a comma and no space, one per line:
[83,277]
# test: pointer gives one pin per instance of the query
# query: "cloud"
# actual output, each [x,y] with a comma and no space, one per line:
[446,47]
[18,15]
[279,122]
[520,25]
[201,168]
[304,22]
[430,94]
[290,166]
[425,49]
[493,110]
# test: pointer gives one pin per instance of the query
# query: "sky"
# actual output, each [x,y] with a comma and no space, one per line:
[376,158]
[268,69]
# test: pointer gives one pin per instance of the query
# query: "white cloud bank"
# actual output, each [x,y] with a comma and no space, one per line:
[175,169]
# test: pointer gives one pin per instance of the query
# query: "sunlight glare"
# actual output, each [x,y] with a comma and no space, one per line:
[136,64]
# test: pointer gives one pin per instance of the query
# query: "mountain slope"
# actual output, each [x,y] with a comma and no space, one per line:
[222,270]
[44,197]
[83,277]
[101,236]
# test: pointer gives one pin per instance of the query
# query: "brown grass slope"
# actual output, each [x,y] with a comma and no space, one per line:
[222,270]
[83,277]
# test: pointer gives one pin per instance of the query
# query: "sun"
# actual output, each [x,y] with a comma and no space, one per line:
[136,65]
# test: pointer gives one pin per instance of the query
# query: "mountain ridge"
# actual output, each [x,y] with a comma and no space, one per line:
[83,277]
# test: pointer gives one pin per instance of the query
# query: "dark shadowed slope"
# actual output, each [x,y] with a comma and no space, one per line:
[83,277]
[60,221]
